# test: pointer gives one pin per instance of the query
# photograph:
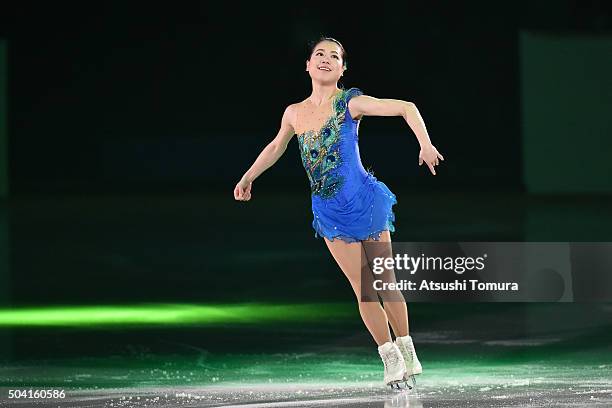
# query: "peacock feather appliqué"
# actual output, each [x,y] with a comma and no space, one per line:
[320,151]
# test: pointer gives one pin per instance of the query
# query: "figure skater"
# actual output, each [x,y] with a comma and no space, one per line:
[349,205]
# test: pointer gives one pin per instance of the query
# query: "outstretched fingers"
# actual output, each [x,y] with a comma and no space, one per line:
[431,167]
[431,161]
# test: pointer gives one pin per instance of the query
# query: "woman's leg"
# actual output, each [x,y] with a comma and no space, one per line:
[394,304]
[349,257]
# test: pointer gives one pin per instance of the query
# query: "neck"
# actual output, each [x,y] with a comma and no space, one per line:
[322,93]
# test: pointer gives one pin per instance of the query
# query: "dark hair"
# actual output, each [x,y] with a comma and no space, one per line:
[312,44]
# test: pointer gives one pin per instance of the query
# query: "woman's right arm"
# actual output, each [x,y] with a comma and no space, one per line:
[268,156]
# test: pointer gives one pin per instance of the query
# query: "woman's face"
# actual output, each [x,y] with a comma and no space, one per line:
[326,64]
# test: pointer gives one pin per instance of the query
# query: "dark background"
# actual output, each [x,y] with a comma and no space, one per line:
[128,96]
[129,124]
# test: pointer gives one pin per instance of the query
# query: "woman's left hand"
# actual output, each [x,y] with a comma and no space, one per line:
[430,155]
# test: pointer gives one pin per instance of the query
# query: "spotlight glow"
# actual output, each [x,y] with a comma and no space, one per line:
[175,314]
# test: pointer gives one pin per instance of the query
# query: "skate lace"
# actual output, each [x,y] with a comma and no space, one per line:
[410,351]
[390,358]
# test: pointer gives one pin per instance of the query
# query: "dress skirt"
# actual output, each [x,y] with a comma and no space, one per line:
[364,215]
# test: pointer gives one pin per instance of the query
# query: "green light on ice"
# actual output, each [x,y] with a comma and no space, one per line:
[175,314]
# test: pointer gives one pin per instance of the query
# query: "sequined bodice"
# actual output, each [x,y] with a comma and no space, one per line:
[331,155]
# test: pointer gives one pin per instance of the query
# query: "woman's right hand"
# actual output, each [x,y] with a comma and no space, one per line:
[242,191]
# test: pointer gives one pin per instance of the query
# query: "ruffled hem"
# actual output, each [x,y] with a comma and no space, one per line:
[375,236]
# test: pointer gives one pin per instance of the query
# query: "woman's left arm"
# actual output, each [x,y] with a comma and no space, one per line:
[370,106]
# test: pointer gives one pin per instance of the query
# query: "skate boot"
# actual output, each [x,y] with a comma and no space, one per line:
[413,366]
[395,367]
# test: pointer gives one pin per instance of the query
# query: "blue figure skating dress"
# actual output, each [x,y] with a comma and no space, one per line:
[348,202]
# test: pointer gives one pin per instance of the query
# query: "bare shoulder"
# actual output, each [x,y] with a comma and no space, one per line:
[290,114]
[298,106]
[292,108]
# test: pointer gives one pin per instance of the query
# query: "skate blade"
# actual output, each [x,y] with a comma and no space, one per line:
[412,379]
[400,385]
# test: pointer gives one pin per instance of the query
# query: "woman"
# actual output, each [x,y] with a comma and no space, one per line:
[350,206]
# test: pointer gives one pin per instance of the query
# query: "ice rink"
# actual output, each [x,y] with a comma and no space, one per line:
[267,367]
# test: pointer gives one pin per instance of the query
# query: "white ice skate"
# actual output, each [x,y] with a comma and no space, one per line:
[395,367]
[413,366]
